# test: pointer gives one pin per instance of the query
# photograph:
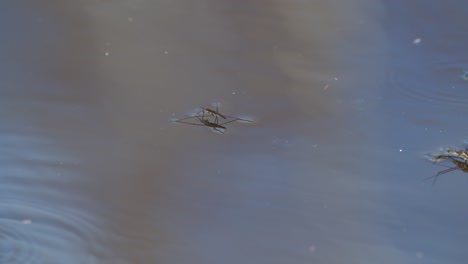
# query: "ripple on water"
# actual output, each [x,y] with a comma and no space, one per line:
[40,230]
[438,83]
[44,215]
[15,245]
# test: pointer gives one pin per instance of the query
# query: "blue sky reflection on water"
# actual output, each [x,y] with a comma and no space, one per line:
[346,104]
[423,109]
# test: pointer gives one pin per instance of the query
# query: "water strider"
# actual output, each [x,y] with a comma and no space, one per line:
[217,114]
[460,165]
[456,156]
[214,122]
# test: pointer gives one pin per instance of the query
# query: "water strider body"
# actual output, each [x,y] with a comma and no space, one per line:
[212,112]
[217,114]
[203,119]
[215,126]
[458,154]
[205,122]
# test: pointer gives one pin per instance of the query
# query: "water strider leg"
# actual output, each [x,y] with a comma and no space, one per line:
[440,173]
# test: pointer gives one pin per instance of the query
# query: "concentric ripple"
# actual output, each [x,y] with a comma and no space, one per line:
[437,83]
[15,245]
[30,231]
[44,218]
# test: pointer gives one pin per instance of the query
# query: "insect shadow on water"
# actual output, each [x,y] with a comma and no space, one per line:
[460,164]
[213,122]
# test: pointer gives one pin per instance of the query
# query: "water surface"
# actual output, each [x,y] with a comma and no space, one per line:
[347,97]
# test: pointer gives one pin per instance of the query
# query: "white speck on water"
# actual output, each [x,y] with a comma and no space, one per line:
[27,221]
[336,78]
[166,52]
[234,93]
[416,41]
[107,53]
[401,150]
[326,87]
[312,249]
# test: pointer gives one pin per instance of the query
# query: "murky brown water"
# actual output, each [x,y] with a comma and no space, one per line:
[347,96]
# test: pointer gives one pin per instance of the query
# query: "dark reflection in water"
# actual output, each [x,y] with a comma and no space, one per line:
[345,104]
